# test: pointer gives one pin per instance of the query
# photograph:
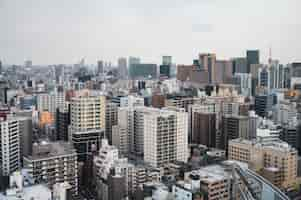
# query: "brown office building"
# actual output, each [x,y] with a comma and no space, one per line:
[234,126]
[204,129]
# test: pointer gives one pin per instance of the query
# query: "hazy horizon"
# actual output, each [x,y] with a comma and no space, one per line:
[56,31]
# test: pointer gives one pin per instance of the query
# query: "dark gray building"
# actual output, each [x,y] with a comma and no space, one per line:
[239,65]
[143,71]
[204,129]
[252,58]
[233,127]
[62,123]
[263,104]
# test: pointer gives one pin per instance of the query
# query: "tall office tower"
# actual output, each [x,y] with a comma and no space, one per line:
[133,60]
[52,163]
[204,128]
[87,114]
[276,74]
[263,104]
[100,67]
[244,82]
[252,58]
[234,126]
[165,136]
[223,70]
[62,122]
[166,60]
[143,71]
[240,65]
[1,67]
[165,67]
[9,147]
[264,77]
[254,72]
[207,62]
[122,68]
[270,158]
[131,101]
[111,119]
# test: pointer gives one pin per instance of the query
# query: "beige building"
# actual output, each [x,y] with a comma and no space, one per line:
[275,160]
[165,136]
[87,123]
[88,113]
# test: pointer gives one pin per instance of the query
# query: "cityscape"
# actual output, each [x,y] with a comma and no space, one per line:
[213,128]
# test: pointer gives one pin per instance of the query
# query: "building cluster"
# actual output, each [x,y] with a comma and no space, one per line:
[212,129]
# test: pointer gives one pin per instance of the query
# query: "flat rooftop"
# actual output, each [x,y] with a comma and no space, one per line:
[45,150]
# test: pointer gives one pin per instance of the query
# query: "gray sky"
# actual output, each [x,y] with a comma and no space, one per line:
[64,31]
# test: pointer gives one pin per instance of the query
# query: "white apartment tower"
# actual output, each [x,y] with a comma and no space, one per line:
[9,146]
[165,136]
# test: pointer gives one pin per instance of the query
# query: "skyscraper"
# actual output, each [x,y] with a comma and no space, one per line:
[207,62]
[122,68]
[252,58]
[240,65]
[0,67]
[100,67]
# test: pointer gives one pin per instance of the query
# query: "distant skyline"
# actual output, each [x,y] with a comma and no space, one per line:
[64,31]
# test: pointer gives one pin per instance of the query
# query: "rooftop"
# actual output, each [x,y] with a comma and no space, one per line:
[45,150]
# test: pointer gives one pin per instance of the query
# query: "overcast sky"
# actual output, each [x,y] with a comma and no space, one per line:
[64,31]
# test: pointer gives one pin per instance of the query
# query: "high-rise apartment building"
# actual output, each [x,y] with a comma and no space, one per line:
[9,146]
[53,163]
[87,115]
[276,156]
[165,136]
